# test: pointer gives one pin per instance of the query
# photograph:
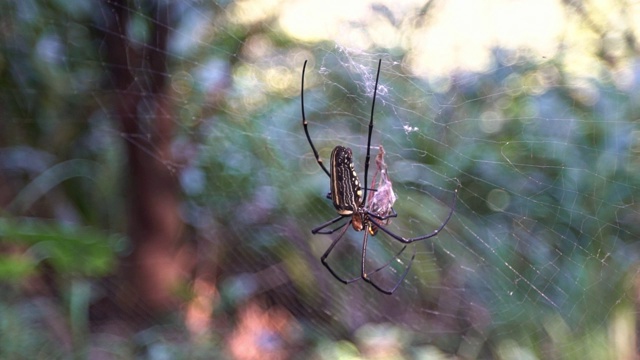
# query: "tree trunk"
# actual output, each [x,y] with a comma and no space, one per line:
[150,274]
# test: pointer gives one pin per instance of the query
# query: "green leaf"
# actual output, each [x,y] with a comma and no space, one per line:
[68,248]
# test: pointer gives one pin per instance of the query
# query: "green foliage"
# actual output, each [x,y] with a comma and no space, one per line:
[69,249]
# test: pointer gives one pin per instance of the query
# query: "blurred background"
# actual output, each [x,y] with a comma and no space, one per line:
[158,191]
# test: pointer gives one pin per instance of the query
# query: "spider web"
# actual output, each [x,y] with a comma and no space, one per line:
[533,125]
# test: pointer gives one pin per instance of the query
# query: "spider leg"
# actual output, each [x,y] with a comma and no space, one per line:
[388,262]
[304,124]
[335,242]
[366,275]
[382,218]
[368,158]
[317,230]
[323,259]
[404,240]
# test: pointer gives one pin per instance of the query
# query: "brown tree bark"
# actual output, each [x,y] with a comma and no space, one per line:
[139,74]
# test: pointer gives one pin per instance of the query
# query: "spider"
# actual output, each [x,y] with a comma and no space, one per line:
[349,198]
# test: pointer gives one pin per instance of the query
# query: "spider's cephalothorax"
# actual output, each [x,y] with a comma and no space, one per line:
[349,198]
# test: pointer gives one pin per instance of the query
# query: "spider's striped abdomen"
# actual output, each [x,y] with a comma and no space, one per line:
[346,192]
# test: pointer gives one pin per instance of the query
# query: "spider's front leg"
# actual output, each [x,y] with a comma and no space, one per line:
[320,229]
